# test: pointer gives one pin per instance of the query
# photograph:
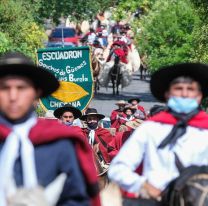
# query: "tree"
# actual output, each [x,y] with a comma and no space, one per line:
[19,29]
[167,33]
[5,43]
[78,9]
[127,9]
[201,31]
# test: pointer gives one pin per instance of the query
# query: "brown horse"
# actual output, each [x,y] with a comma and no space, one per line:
[101,167]
[143,68]
[116,75]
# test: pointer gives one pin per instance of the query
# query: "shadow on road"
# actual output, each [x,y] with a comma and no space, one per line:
[146,97]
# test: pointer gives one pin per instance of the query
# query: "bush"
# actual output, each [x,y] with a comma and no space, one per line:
[167,33]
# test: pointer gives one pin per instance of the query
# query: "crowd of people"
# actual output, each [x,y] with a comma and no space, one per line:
[107,38]
[67,161]
[138,152]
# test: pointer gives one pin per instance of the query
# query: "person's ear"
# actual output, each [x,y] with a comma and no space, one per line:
[167,95]
[199,98]
[38,93]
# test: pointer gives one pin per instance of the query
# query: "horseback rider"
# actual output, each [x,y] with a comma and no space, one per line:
[175,131]
[118,49]
[97,136]
[33,152]
[68,115]
[118,116]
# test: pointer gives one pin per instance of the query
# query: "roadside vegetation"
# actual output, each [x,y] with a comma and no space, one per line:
[168,31]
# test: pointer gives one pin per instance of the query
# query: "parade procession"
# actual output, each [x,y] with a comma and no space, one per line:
[103,103]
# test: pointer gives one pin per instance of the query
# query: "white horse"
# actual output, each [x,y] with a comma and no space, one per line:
[37,196]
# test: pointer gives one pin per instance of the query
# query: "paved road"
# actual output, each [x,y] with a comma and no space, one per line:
[104,101]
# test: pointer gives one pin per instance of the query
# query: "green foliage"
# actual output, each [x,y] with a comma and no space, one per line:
[77,9]
[5,43]
[201,31]
[125,8]
[19,28]
[39,111]
[167,33]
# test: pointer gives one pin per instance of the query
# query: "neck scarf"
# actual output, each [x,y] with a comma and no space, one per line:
[179,129]
[17,144]
[91,137]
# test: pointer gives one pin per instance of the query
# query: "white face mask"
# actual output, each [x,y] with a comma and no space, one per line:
[182,105]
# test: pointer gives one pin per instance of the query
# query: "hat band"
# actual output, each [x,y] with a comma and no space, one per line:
[12,61]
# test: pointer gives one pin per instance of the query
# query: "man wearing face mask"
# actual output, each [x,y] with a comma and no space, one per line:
[96,134]
[175,131]
[67,114]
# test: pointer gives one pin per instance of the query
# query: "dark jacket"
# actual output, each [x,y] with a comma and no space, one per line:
[55,155]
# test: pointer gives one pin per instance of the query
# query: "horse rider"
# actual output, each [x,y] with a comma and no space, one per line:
[97,136]
[118,49]
[167,135]
[140,112]
[34,151]
[68,115]
[118,116]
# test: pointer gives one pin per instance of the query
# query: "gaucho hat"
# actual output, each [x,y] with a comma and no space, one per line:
[132,99]
[121,102]
[161,79]
[67,108]
[92,112]
[129,107]
[15,63]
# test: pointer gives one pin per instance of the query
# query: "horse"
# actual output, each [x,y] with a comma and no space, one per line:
[38,195]
[97,61]
[116,75]
[143,68]
[101,167]
[189,189]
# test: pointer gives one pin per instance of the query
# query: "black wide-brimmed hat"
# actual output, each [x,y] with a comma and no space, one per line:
[132,99]
[67,108]
[15,63]
[92,112]
[161,79]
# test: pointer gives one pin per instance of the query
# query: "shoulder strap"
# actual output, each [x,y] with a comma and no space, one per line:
[103,142]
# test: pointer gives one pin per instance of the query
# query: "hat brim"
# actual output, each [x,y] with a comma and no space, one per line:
[41,78]
[132,110]
[59,112]
[137,99]
[99,116]
[160,80]
[121,103]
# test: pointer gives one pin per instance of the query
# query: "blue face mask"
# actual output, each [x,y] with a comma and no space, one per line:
[182,105]
[68,123]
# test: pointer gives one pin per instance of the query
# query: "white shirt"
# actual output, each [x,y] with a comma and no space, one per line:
[159,164]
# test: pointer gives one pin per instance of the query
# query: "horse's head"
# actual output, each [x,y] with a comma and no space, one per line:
[189,189]
[38,195]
